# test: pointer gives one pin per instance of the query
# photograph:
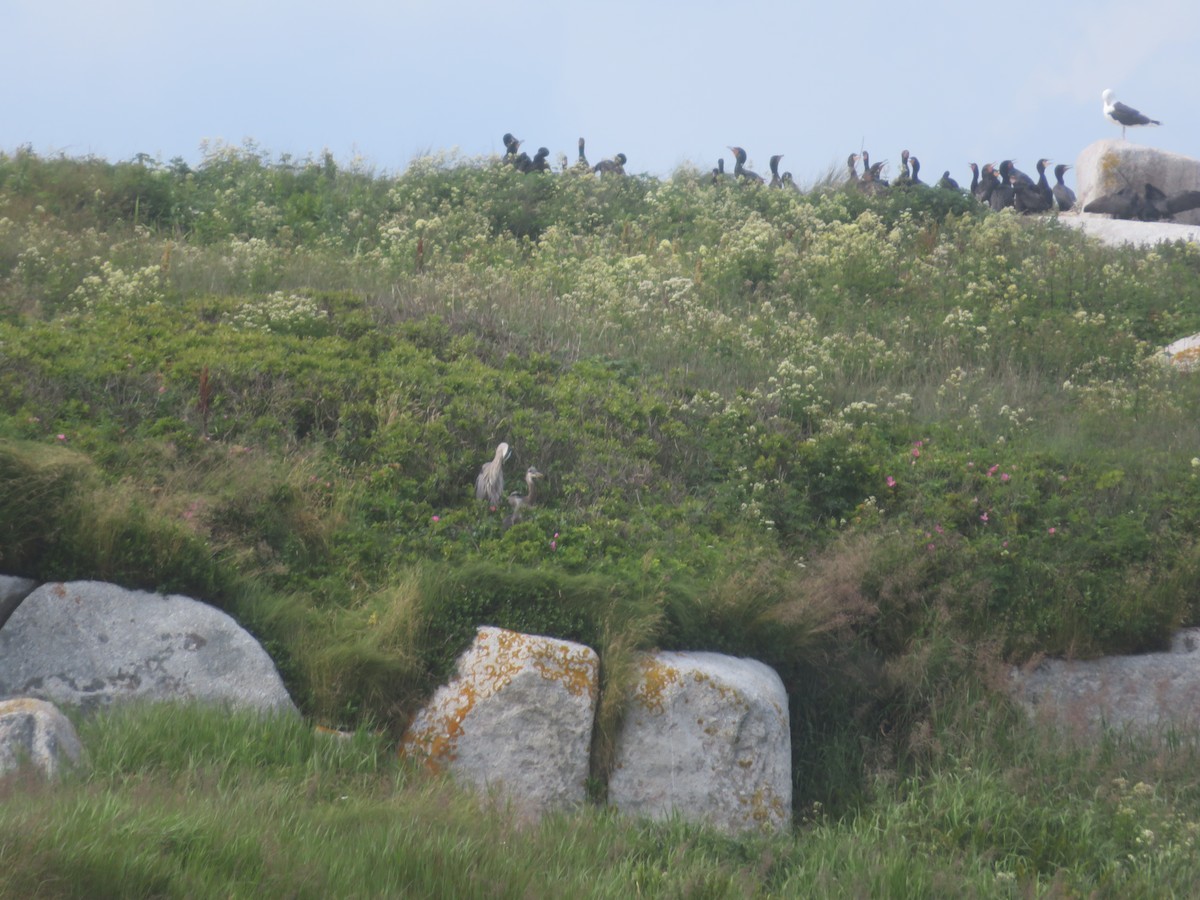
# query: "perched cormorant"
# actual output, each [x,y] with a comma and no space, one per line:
[739,168]
[1063,195]
[776,181]
[915,176]
[988,182]
[719,174]
[581,162]
[1015,175]
[512,147]
[1043,184]
[851,170]
[1150,204]
[514,156]
[1029,197]
[538,163]
[1002,192]
[614,166]
[950,184]
[1123,115]
[904,177]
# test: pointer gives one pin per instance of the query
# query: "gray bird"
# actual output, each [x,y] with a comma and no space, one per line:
[489,484]
[518,503]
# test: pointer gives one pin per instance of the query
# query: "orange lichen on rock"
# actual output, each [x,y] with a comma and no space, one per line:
[656,678]
[494,660]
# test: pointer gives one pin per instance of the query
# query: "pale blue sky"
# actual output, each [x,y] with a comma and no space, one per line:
[663,82]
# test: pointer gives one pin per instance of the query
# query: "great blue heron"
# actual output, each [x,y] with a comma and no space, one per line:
[518,503]
[489,484]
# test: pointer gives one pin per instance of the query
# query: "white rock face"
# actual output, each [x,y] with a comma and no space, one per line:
[1184,353]
[1143,692]
[36,732]
[89,644]
[1107,166]
[517,718]
[707,738]
[1116,232]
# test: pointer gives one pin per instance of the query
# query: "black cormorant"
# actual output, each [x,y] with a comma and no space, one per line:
[739,168]
[1002,192]
[950,184]
[1063,195]
[614,166]
[776,180]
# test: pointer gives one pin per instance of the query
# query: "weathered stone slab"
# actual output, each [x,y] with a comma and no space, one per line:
[89,644]
[517,717]
[34,731]
[12,591]
[707,738]
[1184,354]
[1106,166]
[1143,692]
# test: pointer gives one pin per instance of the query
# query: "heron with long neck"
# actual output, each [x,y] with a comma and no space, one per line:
[489,484]
[518,503]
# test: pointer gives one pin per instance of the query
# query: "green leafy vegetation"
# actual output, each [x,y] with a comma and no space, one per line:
[888,445]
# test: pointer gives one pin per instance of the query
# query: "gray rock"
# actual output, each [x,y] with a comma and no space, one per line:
[1144,693]
[1116,232]
[706,738]
[517,718]
[1183,354]
[1106,166]
[89,644]
[34,731]
[12,591]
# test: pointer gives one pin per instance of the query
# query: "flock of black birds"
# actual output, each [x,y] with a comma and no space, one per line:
[519,160]
[999,187]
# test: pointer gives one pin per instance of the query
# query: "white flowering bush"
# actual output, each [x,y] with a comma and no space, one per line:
[279,313]
[111,288]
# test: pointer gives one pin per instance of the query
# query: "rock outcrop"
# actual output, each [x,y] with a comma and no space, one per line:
[1143,692]
[89,644]
[707,738]
[12,591]
[1184,354]
[35,732]
[517,718]
[1105,167]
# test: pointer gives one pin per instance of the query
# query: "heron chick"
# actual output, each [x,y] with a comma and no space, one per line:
[489,484]
[518,503]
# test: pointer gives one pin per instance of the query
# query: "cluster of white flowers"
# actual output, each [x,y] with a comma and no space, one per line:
[277,312]
[112,288]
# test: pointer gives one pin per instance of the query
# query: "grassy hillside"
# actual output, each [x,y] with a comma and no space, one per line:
[888,445]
